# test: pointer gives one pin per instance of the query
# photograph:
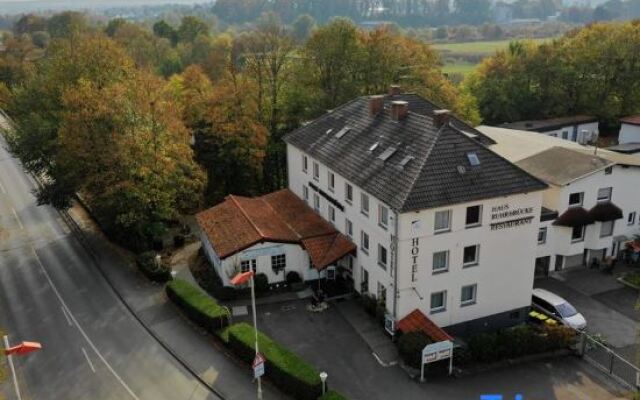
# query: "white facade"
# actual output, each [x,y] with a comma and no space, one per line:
[579,133]
[629,133]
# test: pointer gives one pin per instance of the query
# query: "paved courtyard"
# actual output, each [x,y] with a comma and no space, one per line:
[331,343]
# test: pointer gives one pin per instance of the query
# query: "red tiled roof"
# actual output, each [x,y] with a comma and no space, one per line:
[240,222]
[417,321]
[632,119]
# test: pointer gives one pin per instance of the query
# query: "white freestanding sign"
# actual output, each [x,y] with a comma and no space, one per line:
[435,352]
[258,366]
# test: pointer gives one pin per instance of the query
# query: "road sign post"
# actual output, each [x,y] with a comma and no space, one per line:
[21,349]
[258,366]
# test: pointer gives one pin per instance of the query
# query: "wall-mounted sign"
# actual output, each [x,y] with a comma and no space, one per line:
[415,250]
[507,216]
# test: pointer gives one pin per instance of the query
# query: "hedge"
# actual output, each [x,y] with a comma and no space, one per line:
[285,369]
[146,262]
[199,307]
[331,395]
[410,347]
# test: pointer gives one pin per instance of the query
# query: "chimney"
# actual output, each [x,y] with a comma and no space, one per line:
[441,117]
[376,103]
[399,110]
[395,90]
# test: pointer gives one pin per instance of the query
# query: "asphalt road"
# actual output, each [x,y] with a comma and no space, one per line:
[51,292]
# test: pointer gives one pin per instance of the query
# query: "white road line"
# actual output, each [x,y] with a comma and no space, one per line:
[15,214]
[13,369]
[88,360]
[66,316]
[82,332]
[2,189]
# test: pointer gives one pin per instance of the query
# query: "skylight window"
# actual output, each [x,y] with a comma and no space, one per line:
[342,132]
[387,153]
[329,131]
[406,160]
[473,159]
[374,146]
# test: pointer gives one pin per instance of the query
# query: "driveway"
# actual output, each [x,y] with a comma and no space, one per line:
[329,342]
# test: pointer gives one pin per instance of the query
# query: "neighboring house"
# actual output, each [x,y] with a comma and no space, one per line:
[626,148]
[582,129]
[592,204]
[629,130]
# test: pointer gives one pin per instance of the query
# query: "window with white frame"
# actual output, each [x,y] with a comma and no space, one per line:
[316,171]
[604,194]
[438,301]
[474,216]
[278,263]
[348,227]
[542,235]
[442,221]
[316,202]
[364,241]
[305,164]
[331,178]
[575,199]
[577,234]
[440,261]
[382,256]
[305,193]
[246,264]
[606,228]
[348,193]
[383,216]
[332,214]
[364,204]
[631,219]
[468,295]
[471,255]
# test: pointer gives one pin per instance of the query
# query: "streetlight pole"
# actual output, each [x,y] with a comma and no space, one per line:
[255,328]
[323,378]
[13,369]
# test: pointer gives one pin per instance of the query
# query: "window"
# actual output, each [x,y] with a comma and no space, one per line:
[468,295]
[473,159]
[631,219]
[246,264]
[608,170]
[440,261]
[542,235]
[348,193]
[364,283]
[383,216]
[443,221]
[606,228]
[382,293]
[471,255]
[278,263]
[577,234]
[575,199]
[305,164]
[316,171]
[364,242]
[305,193]
[382,256]
[348,227]
[331,178]
[364,204]
[604,194]
[332,214]
[438,301]
[565,134]
[316,202]
[474,216]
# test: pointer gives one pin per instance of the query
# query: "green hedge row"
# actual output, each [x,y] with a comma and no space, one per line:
[146,263]
[199,307]
[331,395]
[285,369]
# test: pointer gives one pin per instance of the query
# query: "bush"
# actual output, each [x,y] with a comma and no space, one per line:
[199,307]
[262,283]
[293,277]
[332,395]
[146,262]
[410,347]
[298,286]
[285,369]
[178,241]
[369,303]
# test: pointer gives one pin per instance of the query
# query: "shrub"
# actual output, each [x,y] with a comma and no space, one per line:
[369,303]
[199,307]
[178,241]
[293,277]
[262,283]
[298,286]
[146,262]
[285,369]
[332,395]
[410,347]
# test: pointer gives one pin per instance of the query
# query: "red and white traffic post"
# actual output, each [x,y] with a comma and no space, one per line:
[21,349]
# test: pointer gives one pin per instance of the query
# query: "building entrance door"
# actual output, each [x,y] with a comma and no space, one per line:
[542,267]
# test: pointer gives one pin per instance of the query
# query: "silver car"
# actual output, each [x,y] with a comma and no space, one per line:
[558,308]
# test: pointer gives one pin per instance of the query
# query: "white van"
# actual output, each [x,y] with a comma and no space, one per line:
[556,307]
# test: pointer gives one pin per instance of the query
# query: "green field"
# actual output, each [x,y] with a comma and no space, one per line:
[461,68]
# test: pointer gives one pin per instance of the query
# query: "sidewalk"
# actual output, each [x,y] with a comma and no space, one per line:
[203,355]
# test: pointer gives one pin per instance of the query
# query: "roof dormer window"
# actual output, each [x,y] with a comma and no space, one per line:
[342,132]
[387,153]
[474,161]
[374,146]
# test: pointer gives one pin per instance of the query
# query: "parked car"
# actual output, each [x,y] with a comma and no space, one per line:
[556,307]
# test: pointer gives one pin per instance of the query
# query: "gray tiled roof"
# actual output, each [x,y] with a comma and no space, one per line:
[430,179]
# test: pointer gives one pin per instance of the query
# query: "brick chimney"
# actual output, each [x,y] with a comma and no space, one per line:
[441,117]
[395,90]
[399,110]
[376,103]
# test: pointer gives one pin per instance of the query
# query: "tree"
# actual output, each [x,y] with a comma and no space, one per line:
[67,24]
[191,28]
[164,30]
[302,27]
[114,25]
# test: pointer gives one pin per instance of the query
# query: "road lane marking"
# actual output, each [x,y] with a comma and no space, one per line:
[15,214]
[67,316]
[88,360]
[2,189]
[82,332]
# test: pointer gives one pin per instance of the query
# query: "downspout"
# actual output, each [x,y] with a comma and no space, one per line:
[394,268]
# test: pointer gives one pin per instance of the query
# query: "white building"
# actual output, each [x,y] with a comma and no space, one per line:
[592,204]
[581,129]
[629,130]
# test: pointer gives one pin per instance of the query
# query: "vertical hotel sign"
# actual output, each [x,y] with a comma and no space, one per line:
[506,216]
[415,249]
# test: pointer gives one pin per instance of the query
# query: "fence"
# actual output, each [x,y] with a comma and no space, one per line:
[598,353]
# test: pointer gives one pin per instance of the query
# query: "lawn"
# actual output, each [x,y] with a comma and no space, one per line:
[477,47]
[462,68]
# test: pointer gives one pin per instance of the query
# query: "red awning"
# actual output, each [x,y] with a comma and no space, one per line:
[417,321]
